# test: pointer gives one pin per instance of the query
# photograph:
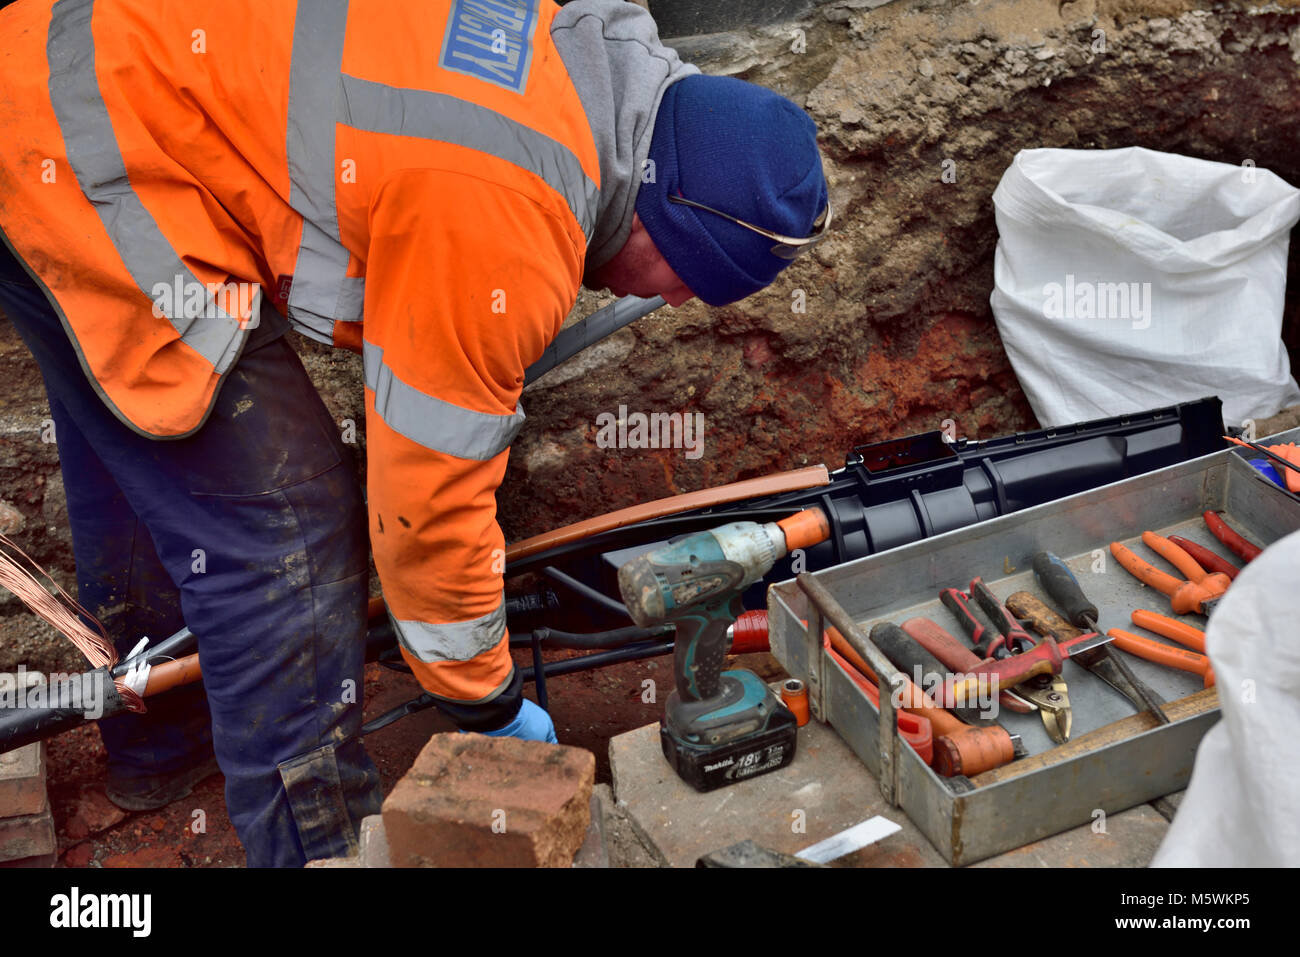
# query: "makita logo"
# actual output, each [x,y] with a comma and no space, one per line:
[721,764]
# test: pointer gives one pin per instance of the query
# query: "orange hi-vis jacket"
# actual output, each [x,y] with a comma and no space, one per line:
[422,181]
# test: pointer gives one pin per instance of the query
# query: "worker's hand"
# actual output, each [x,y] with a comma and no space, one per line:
[530,724]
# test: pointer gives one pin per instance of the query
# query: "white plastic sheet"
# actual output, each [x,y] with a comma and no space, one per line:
[1128,279]
[1242,807]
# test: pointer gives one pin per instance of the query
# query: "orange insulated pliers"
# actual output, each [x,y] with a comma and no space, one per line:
[1199,592]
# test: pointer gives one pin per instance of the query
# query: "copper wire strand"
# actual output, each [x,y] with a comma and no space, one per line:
[63,612]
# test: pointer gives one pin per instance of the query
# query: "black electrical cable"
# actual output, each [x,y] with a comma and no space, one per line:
[602,639]
[585,591]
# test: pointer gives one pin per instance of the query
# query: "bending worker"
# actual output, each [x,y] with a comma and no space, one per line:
[179,179]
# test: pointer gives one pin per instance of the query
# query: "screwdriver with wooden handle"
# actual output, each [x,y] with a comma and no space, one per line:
[1059,582]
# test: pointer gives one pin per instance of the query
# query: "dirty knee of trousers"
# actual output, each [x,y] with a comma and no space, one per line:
[329,790]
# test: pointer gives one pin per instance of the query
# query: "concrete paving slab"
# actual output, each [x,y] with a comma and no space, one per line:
[1130,839]
[825,790]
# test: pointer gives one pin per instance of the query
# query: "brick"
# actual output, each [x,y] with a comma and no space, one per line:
[92,813]
[474,801]
[41,860]
[29,836]
[79,855]
[22,781]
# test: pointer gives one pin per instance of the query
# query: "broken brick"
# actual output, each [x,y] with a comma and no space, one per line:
[93,812]
[22,781]
[475,801]
[29,836]
[79,855]
[157,856]
[12,521]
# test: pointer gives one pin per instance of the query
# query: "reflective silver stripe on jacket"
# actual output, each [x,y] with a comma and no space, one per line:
[433,423]
[377,108]
[97,163]
[459,641]
[321,96]
[322,292]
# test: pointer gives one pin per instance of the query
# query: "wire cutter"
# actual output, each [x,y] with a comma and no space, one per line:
[996,633]
[1199,592]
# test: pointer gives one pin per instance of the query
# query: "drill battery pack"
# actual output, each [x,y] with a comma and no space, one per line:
[768,747]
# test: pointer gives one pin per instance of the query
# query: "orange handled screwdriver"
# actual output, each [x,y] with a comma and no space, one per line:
[1179,631]
[1163,654]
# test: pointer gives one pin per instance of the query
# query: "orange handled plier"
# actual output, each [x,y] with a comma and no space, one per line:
[1161,653]
[1201,590]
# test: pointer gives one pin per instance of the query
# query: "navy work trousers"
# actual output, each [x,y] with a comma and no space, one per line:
[252,532]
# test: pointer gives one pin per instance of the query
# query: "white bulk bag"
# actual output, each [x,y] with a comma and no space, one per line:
[1128,279]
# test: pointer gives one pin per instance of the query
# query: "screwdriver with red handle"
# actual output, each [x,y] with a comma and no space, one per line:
[1207,559]
[964,689]
[956,657]
[1228,535]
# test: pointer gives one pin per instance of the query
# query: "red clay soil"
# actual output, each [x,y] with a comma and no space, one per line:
[588,710]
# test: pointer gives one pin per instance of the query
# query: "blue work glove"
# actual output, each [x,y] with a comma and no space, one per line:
[530,724]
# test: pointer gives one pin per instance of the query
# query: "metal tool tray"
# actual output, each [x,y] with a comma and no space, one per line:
[971,819]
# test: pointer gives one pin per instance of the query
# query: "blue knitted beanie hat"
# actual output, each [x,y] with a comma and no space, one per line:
[745,151]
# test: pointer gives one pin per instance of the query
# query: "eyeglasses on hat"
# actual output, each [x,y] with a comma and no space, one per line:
[787,247]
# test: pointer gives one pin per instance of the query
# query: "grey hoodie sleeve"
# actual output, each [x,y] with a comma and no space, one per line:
[612,52]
